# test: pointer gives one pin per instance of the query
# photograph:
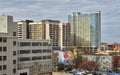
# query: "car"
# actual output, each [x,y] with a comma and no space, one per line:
[79,73]
[73,70]
[67,69]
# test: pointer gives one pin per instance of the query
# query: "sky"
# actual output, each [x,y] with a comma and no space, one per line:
[38,10]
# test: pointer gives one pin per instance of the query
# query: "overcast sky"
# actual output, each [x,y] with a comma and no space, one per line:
[60,9]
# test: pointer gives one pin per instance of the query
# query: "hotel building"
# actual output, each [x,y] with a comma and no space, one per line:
[64,35]
[23,29]
[36,30]
[86,30]
[51,30]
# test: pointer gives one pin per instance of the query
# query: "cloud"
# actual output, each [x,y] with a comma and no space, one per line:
[60,9]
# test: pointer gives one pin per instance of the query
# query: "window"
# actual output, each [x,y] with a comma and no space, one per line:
[35,44]
[0,49]
[45,43]
[25,44]
[4,39]
[25,73]
[14,33]
[0,39]
[14,53]
[14,43]
[4,67]
[14,61]
[46,50]
[44,57]
[25,51]
[14,70]
[0,67]
[4,49]
[48,57]
[37,51]
[25,59]
[4,58]
[37,58]
[0,58]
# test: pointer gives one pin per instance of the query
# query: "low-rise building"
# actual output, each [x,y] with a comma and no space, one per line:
[8,47]
[34,56]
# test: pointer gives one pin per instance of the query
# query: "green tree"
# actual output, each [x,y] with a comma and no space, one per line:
[61,67]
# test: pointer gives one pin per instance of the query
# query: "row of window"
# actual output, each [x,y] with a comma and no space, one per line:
[34,51]
[4,49]
[33,44]
[3,58]
[4,67]
[2,39]
[34,58]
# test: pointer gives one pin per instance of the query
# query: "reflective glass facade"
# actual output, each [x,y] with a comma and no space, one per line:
[86,29]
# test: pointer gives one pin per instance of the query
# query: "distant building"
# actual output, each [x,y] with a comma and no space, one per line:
[8,46]
[36,30]
[51,30]
[34,57]
[58,33]
[22,56]
[86,30]
[64,35]
[104,46]
[23,29]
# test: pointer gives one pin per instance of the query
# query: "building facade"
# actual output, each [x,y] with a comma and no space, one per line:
[64,35]
[58,32]
[36,30]
[34,57]
[8,47]
[86,30]
[51,30]
[23,29]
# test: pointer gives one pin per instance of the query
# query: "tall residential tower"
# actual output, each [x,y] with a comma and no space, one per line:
[86,29]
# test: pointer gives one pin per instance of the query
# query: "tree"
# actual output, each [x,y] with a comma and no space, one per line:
[61,67]
[88,65]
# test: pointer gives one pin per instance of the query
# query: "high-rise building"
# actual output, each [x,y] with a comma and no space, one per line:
[51,30]
[64,35]
[8,46]
[36,30]
[23,29]
[86,29]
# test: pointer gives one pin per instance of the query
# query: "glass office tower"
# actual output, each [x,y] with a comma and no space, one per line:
[86,30]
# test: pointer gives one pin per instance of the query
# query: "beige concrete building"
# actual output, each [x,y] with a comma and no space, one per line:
[58,32]
[23,29]
[34,57]
[36,30]
[64,35]
[51,30]
[8,47]
[22,56]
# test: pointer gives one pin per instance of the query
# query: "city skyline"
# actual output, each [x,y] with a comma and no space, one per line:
[60,9]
